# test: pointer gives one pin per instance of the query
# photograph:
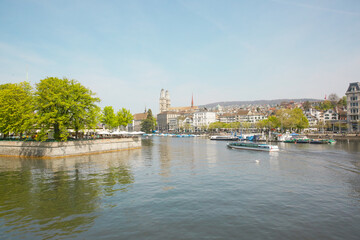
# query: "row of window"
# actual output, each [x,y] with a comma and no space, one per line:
[353,98]
[354,104]
[354,117]
[354,110]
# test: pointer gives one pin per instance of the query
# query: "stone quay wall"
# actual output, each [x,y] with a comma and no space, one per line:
[348,136]
[70,148]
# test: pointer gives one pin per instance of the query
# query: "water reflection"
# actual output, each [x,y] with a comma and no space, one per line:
[193,188]
[165,157]
[59,197]
[348,146]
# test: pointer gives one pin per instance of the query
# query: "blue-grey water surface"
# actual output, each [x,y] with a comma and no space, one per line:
[185,188]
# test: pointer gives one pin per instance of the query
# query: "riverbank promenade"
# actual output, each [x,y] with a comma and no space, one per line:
[64,149]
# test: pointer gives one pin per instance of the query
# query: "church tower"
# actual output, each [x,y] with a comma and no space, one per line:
[167,98]
[164,101]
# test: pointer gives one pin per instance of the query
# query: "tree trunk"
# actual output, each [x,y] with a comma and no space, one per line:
[56,131]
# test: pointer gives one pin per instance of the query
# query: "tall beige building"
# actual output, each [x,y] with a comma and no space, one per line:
[164,101]
[353,107]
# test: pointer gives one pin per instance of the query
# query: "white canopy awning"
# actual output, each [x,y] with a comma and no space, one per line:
[136,133]
[119,133]
[103,132]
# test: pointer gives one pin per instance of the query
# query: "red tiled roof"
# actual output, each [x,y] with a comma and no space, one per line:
[140,116]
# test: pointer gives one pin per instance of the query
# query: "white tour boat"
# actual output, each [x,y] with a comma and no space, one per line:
[253,146]
[224,138]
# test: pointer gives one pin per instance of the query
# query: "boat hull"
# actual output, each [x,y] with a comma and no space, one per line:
[311,141]
[223,138]
[254,147]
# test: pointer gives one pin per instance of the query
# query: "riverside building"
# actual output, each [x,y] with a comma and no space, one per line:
[203,119]
[353,106]
[167,121]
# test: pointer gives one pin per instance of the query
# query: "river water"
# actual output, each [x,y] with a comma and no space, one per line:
[185,188]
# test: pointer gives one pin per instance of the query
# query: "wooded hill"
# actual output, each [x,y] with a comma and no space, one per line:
[258,102]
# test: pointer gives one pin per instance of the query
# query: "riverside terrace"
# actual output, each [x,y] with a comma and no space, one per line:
[51,149]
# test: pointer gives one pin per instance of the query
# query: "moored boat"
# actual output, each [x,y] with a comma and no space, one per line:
[319,141]
[322,141]
[296,138]
[311,141]
[253,146]
[304,140]
[224,138]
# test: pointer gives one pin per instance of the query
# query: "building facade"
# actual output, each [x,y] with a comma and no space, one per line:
[167,121]
[227,118]
[202,119]
[330,115]
[248,116]
[353,107]
[136,122]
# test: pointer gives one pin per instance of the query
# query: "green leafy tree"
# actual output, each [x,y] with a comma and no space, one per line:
[234,125]
[217,125]
[291,119]
[84,113]
[109,118]
[149,124]
[62,104]
[262,124]
[326,105]
[298,117]
[306,105]
[124,117]
[16,108]
[246,125]
[342,102]
[333,98]
[187,127]
[273,122]
[270,123]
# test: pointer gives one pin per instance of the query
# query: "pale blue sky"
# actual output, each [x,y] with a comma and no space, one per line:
[126,51]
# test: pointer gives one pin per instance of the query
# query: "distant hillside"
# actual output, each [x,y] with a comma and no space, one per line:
[258,102]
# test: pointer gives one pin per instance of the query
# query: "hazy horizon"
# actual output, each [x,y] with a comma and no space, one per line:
[127,51]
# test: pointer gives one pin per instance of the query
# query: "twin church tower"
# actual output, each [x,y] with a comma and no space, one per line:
[164,100]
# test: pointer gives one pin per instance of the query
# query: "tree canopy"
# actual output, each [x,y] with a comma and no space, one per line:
[342,102]
[108,117]
[306,105]
[148,125]
[16,108]
[62,104]
[325,105]
[124,117]
[84,112]
[291,119]
[269,123]
[333,98]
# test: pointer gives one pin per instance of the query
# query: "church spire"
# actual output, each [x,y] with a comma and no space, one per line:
[192,100]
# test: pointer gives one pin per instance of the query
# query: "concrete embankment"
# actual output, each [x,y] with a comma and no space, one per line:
[71,148]
[350,137]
